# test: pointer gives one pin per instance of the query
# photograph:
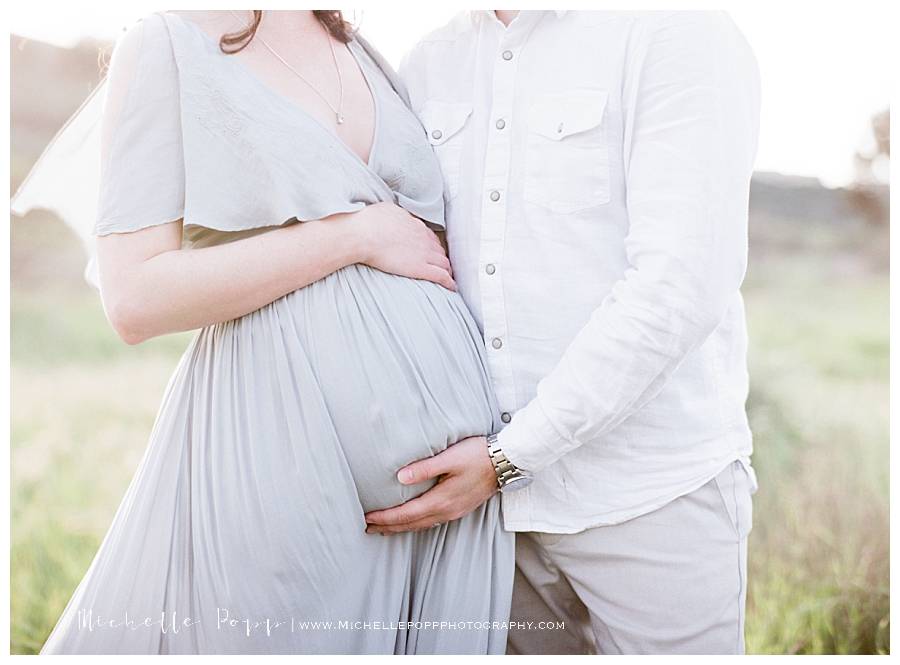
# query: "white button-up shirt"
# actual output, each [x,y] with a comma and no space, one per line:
[597,169]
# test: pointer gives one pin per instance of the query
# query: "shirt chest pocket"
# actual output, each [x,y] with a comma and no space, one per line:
[567,152]
[444,123]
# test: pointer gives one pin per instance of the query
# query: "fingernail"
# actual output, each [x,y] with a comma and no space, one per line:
[404,475]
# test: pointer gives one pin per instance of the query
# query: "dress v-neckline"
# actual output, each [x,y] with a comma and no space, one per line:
[298,110]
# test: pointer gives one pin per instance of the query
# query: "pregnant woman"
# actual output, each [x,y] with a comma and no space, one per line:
[263,180]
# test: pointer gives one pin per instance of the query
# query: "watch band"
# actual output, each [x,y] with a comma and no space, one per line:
[506,471]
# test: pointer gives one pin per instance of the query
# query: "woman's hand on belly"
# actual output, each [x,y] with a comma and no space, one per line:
[466,479]
[394,241]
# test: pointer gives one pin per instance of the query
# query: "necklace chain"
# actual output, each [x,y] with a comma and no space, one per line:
[339,111]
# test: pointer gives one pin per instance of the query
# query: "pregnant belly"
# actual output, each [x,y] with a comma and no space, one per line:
[400,367]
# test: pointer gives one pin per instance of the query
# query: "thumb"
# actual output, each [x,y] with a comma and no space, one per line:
[424,469]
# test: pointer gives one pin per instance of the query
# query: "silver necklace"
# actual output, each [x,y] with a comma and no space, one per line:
[339,111]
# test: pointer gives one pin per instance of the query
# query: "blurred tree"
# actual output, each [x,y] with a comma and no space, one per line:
[869,193]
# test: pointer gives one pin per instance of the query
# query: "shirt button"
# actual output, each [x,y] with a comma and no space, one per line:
[495,195]
[437,133]
[496,342]
[505,417]
[507,55]
[490,268]
[500,124]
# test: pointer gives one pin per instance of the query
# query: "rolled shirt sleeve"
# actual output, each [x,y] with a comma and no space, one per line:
[691,108]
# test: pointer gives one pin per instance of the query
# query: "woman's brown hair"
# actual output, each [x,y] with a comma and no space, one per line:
[332,19]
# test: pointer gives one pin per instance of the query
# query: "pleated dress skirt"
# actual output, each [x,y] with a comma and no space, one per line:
[243,528]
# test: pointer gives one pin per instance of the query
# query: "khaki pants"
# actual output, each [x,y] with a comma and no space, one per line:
[669,582]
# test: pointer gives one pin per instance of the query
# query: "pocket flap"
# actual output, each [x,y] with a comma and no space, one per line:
[443,119]
[558,115]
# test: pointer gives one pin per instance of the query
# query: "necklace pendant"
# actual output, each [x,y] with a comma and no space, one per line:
[340,118]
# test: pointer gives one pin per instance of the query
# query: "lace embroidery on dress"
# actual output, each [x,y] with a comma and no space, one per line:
[213,109]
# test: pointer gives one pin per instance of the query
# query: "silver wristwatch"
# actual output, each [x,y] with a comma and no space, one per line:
[509,477]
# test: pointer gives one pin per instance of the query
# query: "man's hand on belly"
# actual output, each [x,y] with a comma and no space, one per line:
[466,479]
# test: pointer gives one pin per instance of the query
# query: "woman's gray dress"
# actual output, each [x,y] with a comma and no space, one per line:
[243,530]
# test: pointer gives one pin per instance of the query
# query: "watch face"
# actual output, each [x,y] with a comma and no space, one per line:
[516,484]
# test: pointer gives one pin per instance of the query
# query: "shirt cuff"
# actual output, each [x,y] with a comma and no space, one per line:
[530,441]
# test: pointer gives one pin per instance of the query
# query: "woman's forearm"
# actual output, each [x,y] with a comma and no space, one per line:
[174,290]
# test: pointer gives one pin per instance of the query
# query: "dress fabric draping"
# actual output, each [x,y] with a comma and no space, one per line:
[242,530]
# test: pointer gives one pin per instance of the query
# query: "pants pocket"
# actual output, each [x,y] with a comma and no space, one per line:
[735,488]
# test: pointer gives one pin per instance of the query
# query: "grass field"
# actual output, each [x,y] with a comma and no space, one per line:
[817,303]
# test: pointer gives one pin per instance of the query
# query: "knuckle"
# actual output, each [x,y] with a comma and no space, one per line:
[424,470]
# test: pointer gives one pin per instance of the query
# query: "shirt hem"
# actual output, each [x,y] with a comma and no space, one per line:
[618,517]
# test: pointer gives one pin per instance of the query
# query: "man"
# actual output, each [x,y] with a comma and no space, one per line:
[597,171]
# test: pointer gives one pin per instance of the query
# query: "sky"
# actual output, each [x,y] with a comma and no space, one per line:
[825,71]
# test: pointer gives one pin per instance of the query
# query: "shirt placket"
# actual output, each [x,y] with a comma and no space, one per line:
[494,207]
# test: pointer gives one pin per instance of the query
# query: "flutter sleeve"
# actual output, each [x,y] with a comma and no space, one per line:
[142,180]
